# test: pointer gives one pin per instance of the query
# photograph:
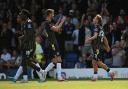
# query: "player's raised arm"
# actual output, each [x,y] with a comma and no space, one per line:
[56,28]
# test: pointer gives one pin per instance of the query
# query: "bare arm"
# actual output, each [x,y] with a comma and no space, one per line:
[58,21]
[89,39]
[57,28]
[82,20]
[106,45]
[93,37]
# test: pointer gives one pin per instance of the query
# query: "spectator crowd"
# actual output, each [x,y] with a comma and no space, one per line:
[78,26]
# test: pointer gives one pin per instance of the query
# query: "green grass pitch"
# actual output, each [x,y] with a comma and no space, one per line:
[68,84]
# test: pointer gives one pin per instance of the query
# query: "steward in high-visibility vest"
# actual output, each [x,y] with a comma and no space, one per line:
[39,50]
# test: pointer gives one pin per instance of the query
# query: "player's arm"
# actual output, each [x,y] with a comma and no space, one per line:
[106,45]
[58,21]
[95,35]
[82,20]
[57,28]
[21,37]
[92,38]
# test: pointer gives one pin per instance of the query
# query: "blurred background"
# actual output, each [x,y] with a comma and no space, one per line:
[79,15]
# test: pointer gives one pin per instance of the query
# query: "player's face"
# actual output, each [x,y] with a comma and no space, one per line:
[95,21]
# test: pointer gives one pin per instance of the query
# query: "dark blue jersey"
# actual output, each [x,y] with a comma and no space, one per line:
[50,35]
[28,40]
[98,42]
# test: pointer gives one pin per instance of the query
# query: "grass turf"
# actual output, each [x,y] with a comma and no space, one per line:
[68,84]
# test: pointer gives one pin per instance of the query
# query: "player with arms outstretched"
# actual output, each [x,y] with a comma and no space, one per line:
[51,42]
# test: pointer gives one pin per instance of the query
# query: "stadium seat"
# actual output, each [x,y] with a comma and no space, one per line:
[70,59]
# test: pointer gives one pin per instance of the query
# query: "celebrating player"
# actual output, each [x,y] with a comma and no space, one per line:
[100,44]
[27,47]
[51,42]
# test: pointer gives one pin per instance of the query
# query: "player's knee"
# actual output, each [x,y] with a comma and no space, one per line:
[59,59]
[94,61]
[54,60]
[100,63]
